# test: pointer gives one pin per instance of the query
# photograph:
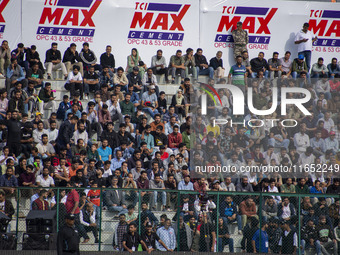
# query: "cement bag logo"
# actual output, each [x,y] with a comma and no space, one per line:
[325,24]
[68,17]
[158,21]
[255,20]
[3,5]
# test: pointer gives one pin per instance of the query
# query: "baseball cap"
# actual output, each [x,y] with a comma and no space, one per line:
[332,133]
[301,56]
[216,181]
[149,225]
[152,87]
[70,216]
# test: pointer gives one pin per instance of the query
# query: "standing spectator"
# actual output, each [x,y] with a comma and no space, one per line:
[66,132]
[5,57]
[264,240]
[207,240]
[41,202]
[14,133]
[14,75]
[241,39]
[259,64]
[71,59]
[107,59]
[47,99]
[6,206]
[120,229]
[217,64]
[168,237]
[176,66]
[88,58]
[289,240]
[53,61]
[202,64]
[68,237]
[224,236]
[238,74]
[308,237]
[131,239]
[304,39]
[158,65]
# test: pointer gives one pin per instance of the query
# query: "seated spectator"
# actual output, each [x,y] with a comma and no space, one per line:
[32,57]
[229,214]
[319,69]
[126,106]
[275,66]
[299,67]
[148,80]
[286,209]
[259,64]
[74,111]
[41,202]
[150,102]
[47,99]
[325,237]
[46,149]
[202,64]
[190,65]
[115,199]
[333,68]
[45,180]
[106,77]
[176,66]
[179,102]
[15,75]
[88,58]
[19,55]
[301,139]
[71,59]
[134,60]
[217,64]
[247,210]
[107,59]
[308,237]
[88,218]
[120,78]
[158,65]
[53,61]
[75,82]
[35,76]
[5,57]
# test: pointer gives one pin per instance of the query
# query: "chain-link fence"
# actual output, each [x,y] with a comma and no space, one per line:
[179,220]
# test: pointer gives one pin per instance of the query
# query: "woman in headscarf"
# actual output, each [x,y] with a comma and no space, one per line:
[135,60]
[178,101]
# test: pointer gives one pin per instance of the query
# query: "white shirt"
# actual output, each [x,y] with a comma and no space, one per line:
[77,135]
[328,124]
[301,142]
[92,218]
[113,108]
[286,66]
[71,76]
[45,148]
[52,134]
[37,135]
[304,45]
[45,183]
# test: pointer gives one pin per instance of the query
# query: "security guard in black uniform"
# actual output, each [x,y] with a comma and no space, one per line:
[68,238]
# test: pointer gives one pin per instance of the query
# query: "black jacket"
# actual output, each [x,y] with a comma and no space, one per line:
[108,61]
[68,240]
[14,130]
[12,105]
[69,57]
[52,55]
[65,133]
[111,137]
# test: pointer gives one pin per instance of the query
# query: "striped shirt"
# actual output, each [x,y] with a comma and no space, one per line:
[237,73]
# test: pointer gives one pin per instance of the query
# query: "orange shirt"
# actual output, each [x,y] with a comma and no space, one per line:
[154,126]
[94,196]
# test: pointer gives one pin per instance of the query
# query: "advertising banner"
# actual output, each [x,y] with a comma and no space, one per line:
[147,26]
[10,21]
[271,26]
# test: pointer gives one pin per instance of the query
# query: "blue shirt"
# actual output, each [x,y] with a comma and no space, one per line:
[264,241]
[78,114]
[183,186]
[105,153]
[115,163]
[12,182]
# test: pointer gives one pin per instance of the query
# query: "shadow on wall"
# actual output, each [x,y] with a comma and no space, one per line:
[290,45]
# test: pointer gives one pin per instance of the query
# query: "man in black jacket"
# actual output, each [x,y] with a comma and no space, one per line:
[202,64]
[53,61]
[107,59]
[32,56]
[6,206]
[66,132]
[110,135]
[16,103]
[88,58]
[68,238]
[71,58]
[14,133]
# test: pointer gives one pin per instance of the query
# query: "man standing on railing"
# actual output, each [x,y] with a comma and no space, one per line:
[68,238]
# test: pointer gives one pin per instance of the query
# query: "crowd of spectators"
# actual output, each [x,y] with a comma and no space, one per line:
[125,134]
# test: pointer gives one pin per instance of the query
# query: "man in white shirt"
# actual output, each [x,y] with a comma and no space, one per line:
[37,133]
[45,149]
[301,139]
[75,82]
[158,65]
[87,218]
[81,133]
[304,39]
[52,132]
[287,64]
[45,180]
